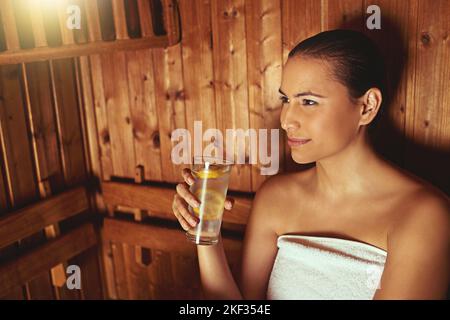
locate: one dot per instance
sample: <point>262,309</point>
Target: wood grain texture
<point>31,265</point>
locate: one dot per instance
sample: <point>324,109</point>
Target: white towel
<point>324,268</point>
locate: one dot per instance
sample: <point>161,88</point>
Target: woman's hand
<point>184,197</point>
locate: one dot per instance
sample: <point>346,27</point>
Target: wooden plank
<point>24,222</point>
<point>67,35</point>
<point>18,160</point>
<point>9,25</point>
<point>171,21</point>
<point>171,253</point>
<point>264,40</point>
<point>40,118</point>
<point>30,265</point>
<point>136,274</point>
<point>170,99</point>
<point>157,238</point>
<point>108,269</point>
<point>143,113</point>
<point>343,14</point>
<point>121,285</point>
<point>198,65</point>
<point>230,76</point>
<point>68,121</point>
<point>119,118</point>
<point>120,21</point>
<point>295,30</point>
<point>101,116</point>
<point>91,276</point>
<point>37,23</point>
<point>428,126</point>
<point>145,17</point>
<point>93,20</point>
<point>22,13</point>
<point>72,50</point>
<point>158,201</point>
<point>88,108</point>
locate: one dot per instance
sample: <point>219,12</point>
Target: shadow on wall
<point>388,136</point>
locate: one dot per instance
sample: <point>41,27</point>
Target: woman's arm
<point>258,253</point>
<point>215,274</point>
<point>418,261</point>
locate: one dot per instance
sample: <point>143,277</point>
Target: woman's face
<point>319,109</point>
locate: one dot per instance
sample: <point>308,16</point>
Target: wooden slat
<point>68,120</point>
<point>171,21</point>
<point>120,281</point>
<point>144,117</point>
<point>27,221</point>
<point>37,54</point>
<point>157,238</point>
<point>343,14</point>
<point>101,117</point>
<point>170,102</point>
<point>145,17</point>
<point>37,22</point>
<point>9,25</point>
<point>428,125</point>
<point>120,22</point>
<point>119,118</point>
<point>198,74</point>
<point>67,35</point>
<point>93,21</point>
<point>230,76</point>
<point>263,32</point>
<point>158,201</point>
<point>31,265</point>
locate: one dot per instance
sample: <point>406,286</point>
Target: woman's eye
<point>307,102</point>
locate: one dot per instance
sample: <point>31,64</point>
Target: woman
<point>355,226</point>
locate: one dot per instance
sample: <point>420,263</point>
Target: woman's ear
<point>371,102</point>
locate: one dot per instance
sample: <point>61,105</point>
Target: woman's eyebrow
<point>301,94</point>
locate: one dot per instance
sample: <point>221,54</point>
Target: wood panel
<point>198,73</point>
<point>173,270</point>
<point>144,118</point>
<point>27,267</point>
<point>158,201</point>
<point>427,114</point>
<point>170,102</point>
<point>68,121</point>
<point>230,78</point>
<point>27,221</point>
<point>264,54</point>
<point>118,113</point>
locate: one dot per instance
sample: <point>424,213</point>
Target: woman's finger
<point>229,203</point>
<point>175,208</point>
<point>185,193</point>
<point>187,176</point>
<point>179,202</point>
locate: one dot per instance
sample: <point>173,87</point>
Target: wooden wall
<point>226,72</point>
<point>42,154</point>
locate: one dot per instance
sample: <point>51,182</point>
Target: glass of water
<point>210,187</point>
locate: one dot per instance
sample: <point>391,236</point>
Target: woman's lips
<point>297,142</point>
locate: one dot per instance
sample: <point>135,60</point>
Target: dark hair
<point>354,58</point>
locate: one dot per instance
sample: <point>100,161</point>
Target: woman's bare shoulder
<point>284,184</point>
<point>424,207</point>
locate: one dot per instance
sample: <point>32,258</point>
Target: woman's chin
<point>300,159</point>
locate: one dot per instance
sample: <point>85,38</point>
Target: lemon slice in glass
<point>212,204</point>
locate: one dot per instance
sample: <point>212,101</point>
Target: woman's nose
<point>288,121</point>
